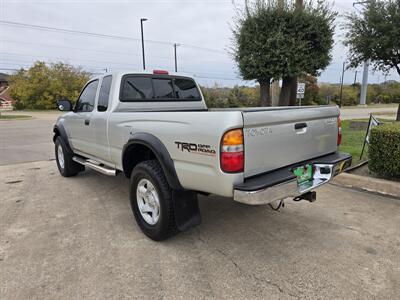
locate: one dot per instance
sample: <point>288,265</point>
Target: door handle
<point>87,122</point>
<point>300,126</point>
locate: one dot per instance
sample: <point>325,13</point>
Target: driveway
<point>27,140</point>
<point>77,238</point>
<point>384,111</point>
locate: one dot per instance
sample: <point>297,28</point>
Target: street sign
<point>373,122</point>
<point>301,89</point>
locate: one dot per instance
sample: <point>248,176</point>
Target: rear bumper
<point>282,183</point>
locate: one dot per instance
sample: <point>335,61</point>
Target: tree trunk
<point>293,84</point>
<point>265,92</point>
<point>286,91</point>
<point>398,114</point>
<point>293,92</point>
<point>275,89</point>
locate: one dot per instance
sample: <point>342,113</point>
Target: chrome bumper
<point>291,188</point>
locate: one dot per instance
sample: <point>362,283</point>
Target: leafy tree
<point>311,92</point>
<point>245,96</point>
<point>274,39</point>
<point>41,86</point>
<point>375,35</point>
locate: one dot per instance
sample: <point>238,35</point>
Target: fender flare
<point>161,153</point>
<point>59,130</point>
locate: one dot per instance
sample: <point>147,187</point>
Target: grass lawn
<point>353,140</point>
<point>13,117</point>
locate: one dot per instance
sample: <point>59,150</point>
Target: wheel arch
<point>59,131</point>
<point>145,146</point>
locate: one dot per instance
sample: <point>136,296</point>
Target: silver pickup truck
<point>155,128</point>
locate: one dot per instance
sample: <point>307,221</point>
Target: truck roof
<point>144,72</point>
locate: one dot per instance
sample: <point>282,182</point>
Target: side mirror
<point>64,105</point>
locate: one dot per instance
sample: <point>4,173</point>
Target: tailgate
<point>278,137</point>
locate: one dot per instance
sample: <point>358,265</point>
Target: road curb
<point>374,185</point>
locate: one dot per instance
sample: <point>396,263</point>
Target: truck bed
<point>275,137</point>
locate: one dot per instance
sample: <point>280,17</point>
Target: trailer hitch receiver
<point>309,196</point>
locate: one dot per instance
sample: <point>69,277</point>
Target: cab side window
<point>104,93</point>
<point>87,98</point>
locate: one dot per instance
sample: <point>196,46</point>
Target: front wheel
<point>151,201</point>
<point>65,164</point>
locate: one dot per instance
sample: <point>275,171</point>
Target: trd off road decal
<point>195,148</point>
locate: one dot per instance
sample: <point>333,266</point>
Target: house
<point>6,101</point>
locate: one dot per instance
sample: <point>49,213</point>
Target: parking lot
<point>77,238</point>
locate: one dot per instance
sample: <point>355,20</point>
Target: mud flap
<point>186,209</point>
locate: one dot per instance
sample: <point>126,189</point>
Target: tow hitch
<point>309,196</point>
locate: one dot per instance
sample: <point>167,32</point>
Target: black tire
<point>165,226</point>
<point>70,168</point>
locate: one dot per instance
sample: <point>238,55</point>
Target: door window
<point>87,98</point>
<point>104,93</point>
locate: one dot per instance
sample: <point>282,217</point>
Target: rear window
<point>137,88</point>
<point>163,89</point>
<point>156,88</point>
<point>186,89</point>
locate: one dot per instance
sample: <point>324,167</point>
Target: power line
<point>102,51</point>
<point>69,31</point>
<point>8,69</point>
<point>219,78</point>
<point>120,2</point>
<point>102,66</point>
<point>97,35</point>
<point>81,49</point>
<point>67,59</point>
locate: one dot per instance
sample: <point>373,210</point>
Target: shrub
<point>384,150</point>
<point>42,85</point>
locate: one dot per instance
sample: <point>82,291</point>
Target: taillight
<point>339,136</point>
<point>232,155</point>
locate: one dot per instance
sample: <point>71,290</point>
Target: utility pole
<point>355,78</point>
<point>341,84</point>
<point>364,87</point>
<point>141,30</point>
<point>176,61</point>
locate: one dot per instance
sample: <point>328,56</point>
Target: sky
<point>201,28</point>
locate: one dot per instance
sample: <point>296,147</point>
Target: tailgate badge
<point>254,132</point>
<point>331,121</point>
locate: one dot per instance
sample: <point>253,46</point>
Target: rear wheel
<point>65,164</point>
<point>151,201</point>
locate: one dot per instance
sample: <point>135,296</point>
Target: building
<point>6,102</point>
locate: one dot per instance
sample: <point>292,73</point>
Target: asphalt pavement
<point>363,112</point>
<point>63,238</point>
<point>76,238</point>
<point>27,140</point>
